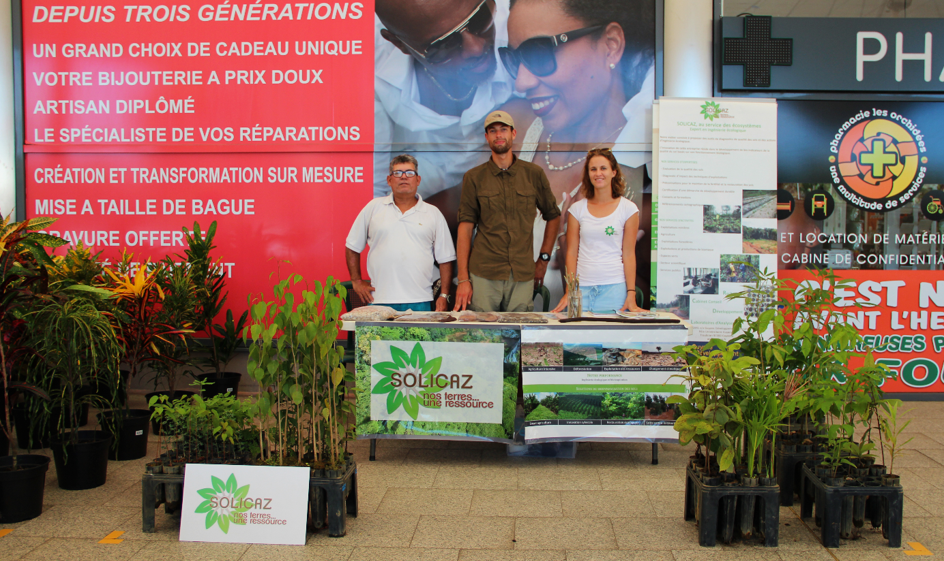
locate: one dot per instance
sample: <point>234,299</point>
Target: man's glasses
<point>449,45</point>
<point>404,173</point>
<point>537,53</point>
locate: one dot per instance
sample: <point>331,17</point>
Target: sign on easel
<point>245,504</point>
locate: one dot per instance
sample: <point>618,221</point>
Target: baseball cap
<point>499,117</point>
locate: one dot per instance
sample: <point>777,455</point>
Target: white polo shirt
<point>403,248</point>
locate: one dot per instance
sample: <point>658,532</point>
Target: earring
<point>612,66</point>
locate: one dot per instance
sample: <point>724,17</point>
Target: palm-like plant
<point>23,273</point>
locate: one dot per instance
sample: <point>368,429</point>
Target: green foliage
<point>727,221</point>
<point>891,432</point>
<point>541,413</point>
<point>623,405</point>
<point>201,430</point>
<point>293,357</point>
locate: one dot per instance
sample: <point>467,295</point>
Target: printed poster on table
<point>245,504</point>
<point>717,206</point>
<point>415,381</point>
<point>600,384</point>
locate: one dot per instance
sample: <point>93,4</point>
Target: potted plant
<point>209,278</point>
<point>138,303</point>
<point>23,273</point>
<point>75,346</point>
<point>891,436</point>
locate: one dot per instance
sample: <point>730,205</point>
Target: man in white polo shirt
<point>406,236</point>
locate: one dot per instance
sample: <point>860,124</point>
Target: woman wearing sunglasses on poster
<point>601,238</point>
<point>586,71</point>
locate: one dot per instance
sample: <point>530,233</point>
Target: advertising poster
<point>861,195</point>
<point>135,104</point>
<point>600,384</point>
<point>717,184</point>
<point>416,381</point>
<point>245,504</point>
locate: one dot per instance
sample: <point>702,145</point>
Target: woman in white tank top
<point>601,238</point>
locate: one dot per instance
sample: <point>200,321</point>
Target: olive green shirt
<point>503,204</point>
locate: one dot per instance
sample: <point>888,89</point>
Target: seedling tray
<point>788,473</point>
<point>705,502</point>
<point>828,500</point>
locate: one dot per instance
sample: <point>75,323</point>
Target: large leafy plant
<point>293,357</point>
<point>24,264</point>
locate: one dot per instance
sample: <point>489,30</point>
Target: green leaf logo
<point>610,231</point>
<point>222,503</point>
<point>412,366</point>
<point>711,110</point>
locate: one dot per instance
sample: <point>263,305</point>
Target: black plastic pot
<point>129,428</point>
<point>177,395</point>
<point>21,491</point>
<point>83,465</point>
<point>23,421</point>
<point>226,382</point>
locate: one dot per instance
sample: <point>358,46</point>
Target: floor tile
<point>466,532</point>
<point>395,476</point>
<point>402,554</point>
<point>512,555</point>
<point>77,522</point>
<point>663,534</point>
<point>186,551</point>
<point>14,546</point>
<point>515,503</point>
<point>476,477</point>
<point>309,552</point>
<point>374,530</point>
<point>605,504</point>
<point>446,502</point>
<point>564,533</point>
<point>618,555</point>
<point>558,478</point>
<point>66,549</point>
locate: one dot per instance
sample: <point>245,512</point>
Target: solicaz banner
<point>600,383</point>
<point>415,381</point>
<point>245,504</point>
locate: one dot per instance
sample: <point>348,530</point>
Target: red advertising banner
<point>227,76</point>
<point>295,207</point>
<point>900,315</point>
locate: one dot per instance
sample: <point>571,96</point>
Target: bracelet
<point>462,281</point>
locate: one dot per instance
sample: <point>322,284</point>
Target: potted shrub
<point>23,273</point>
<point>75,346</point>
<point>138,302</point>
<point>209,279</point>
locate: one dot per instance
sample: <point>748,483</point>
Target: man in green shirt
<point>500,199</point>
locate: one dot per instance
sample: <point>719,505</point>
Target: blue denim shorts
<point>603,298</point>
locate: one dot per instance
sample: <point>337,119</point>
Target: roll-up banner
<point>279,119</point>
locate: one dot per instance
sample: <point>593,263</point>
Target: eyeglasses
<point>537,53</point>
<point>404,173</point>
<point>449,45</point>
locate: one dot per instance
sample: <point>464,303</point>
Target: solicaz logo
<point>712,110</point>
<point>877,162</point>
<point>226,504</point>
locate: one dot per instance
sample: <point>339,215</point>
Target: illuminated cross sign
<point>757,51</point>
<point>878,158</point>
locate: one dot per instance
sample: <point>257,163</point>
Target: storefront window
<point>836,8</point>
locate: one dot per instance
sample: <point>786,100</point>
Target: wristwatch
<point>447,297</point>
<point>545,257</point>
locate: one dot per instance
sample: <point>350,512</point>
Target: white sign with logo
<point>245,504</point>
<point>436,381</point>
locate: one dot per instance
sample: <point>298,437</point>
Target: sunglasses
<point>537,53</point>
<point>449,45</point>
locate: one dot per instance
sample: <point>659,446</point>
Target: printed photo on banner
<point>573,76</point>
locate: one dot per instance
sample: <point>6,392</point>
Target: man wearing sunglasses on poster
<point>437,76</point>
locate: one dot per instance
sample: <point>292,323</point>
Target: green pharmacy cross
<point>757,52</point>
<point>878,158</point>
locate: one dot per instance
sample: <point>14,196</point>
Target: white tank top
<point>600,255</point>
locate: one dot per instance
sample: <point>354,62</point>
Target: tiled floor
<point>431,500</point>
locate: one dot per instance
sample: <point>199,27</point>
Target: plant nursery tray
<point>828,500</point>
<point>711,504</point>
<point>788,473</point>
<point>332,497</point>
